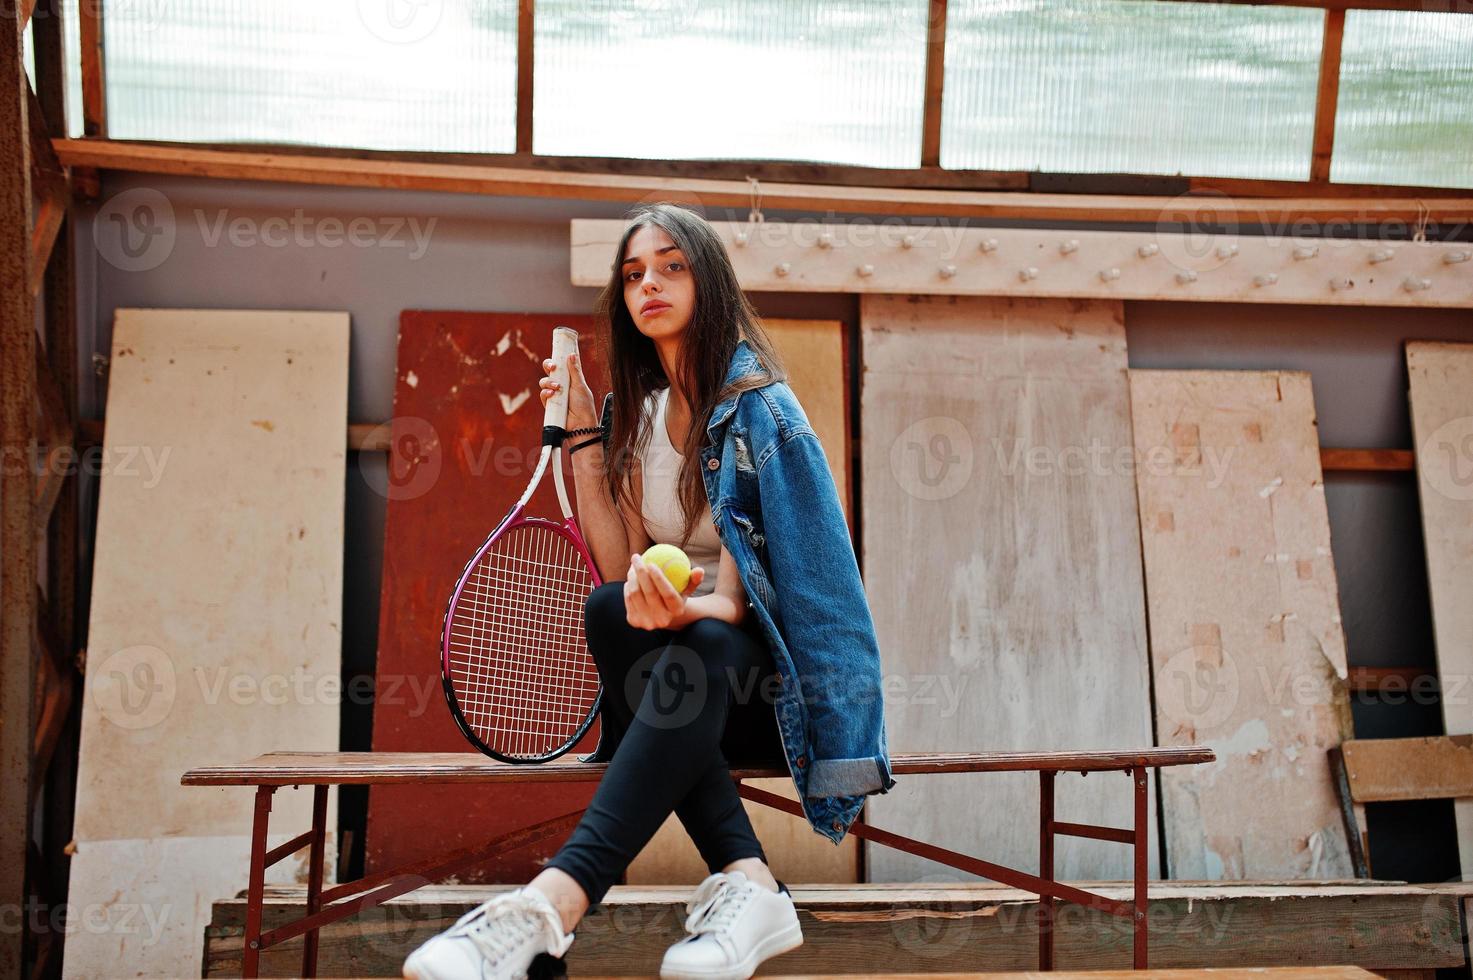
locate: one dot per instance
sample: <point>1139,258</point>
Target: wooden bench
<point>270,772</point>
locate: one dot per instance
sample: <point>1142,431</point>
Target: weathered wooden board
<point>1248,653</point>
<point>1431,767</point>
<point>1002,564</point>
<point>1441,380</point>
<point>817,360</point>
<point>465,438</point>
<point>956,929</point>
<point>952,259</point>
<point>216,599</point>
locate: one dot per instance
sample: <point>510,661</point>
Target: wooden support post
<point>1046,868</point>
<point>1141,832</point>
<point>935,83</point>
<point>17,494</point>
<point>256,887</point>
<point>1327,98</point>
<point>526,28</point>
<point>314,877</point>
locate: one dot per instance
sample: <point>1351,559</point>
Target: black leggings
<point>668,742</point>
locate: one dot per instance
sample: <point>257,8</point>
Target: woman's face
<point>658,287</point>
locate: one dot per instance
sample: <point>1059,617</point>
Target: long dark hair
<point>722,317</point>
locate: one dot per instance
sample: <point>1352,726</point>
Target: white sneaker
<point>496,940</point>
<point>735,924</point>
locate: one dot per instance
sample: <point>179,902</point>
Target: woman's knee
<point>604,607</point>
<point>731,660</point>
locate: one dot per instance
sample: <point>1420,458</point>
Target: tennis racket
<point>515,664</point>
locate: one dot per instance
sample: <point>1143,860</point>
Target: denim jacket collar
<point>743,362</point>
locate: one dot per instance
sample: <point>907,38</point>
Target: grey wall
<point>511,254</point>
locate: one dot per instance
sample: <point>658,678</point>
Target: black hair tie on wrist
<point>587,430</point>
<point>586,442</point>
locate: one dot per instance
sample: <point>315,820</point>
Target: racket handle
<point>564,343</point>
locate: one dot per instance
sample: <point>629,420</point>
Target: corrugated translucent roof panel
<point>1405,114</point>
<point>416,76</point>
<point>837,82</point>
<point>1123,86</point>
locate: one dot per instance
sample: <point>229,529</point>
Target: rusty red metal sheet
<point>466,435</point>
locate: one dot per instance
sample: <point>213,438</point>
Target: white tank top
<point>660,506</point>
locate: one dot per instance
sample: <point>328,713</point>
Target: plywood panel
<point>1441,378</point>
<point>465,438</point>
<point>1002,564</point>
<point>1247,648</point>
<point>216,598</point>
<point>815,354</point>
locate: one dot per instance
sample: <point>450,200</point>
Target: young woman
<point>695,680</point>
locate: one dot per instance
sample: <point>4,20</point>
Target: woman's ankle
<point>565,894</point>
<point>756,870</point>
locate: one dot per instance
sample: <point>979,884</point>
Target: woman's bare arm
<point>612,534</point>
<point>727,602</point>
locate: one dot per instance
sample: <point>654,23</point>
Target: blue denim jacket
<point>777,510</point>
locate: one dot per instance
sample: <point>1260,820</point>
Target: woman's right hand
<point>581,412</point>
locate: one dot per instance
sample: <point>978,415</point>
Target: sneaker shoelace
<point>715,908</point>
<point>503,924</point>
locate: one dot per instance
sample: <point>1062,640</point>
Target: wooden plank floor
<point>951,928</point>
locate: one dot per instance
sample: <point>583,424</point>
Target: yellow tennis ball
<point>672,561</point>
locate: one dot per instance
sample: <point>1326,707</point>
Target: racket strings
<point>519,662</point>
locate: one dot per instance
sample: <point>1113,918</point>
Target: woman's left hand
<point>650,601</point>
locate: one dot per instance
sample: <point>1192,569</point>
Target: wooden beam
<point>57,680</point>
<point>1367,460</point>
<point>935,83</point>
<point>94,87</point>
<point>849,175</point>
<point>51,70</point>
<point>1328,96</point>
<point>1432,768</point>
<point>859,256</point>
<point>1391,680</point>
<point>17,525</point>
<point>526,35</point>
<point>184,159</point>
<point>43,238</point>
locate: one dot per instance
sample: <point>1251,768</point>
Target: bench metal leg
<point>314,877</point>
<point>1046,868</point>
<point>251,947</point>
<point>1138,776</point>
